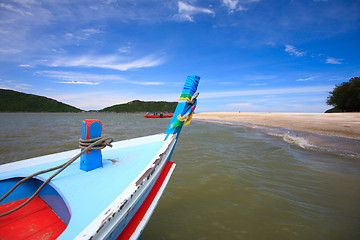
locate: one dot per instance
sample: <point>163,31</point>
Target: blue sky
<point>251,55</point>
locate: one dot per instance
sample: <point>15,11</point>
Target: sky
<point>251,55</point>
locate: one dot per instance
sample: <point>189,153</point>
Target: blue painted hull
<point>100,201</point>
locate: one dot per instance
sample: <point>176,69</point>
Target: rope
<point>193,98</point>
<point>87,142</point>
<point>100,142</point>
<point>187,113</point>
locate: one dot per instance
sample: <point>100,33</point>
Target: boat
<point>97,191</point>
<point>156,115</point>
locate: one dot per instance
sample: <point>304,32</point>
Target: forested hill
<point>13,101</point>
<point>140,106</point>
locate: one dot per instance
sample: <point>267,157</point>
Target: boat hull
<point>138,222</point>
<point>159,116</point>
<point>113,199</point>
<point>112,220</point>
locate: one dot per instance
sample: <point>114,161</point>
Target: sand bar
<point>333,124</point>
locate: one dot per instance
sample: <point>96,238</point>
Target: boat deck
<point>28,222</point>
<point>98,188</point>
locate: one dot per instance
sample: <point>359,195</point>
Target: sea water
<point>230,182</point>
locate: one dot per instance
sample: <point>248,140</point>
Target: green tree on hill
<point>140,106</point>
<point>13,101</point>
<point>346,96</point>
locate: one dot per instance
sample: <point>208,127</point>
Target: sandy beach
<point>334,124</point>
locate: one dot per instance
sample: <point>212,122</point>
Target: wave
<point>317,142</point>
<point>294,139</point>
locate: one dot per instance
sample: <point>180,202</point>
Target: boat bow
<point>115,198</point>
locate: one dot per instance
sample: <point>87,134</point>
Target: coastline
<point>346,125</point>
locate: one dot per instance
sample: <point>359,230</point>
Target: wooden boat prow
<point>113,201</point>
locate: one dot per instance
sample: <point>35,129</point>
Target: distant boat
<point>156,115</point>
<point>102,194</point>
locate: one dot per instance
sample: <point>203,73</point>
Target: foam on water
<point>294,139</point>
<point>317,142</point>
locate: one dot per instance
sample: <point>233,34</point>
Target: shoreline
<point>346,125</point>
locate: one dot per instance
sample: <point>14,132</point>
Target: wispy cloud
<point>330,60</point>
<point>187,11</point>
<point>22,86</point>
<point>80,82</point>
<point>24,65</point>
<point>10,51</point>
<point>90,79</point>
<point>110,62</point>
<point>125,49</point>
<point>240,104</point>
<point>293,51</point>
<point>82,34</point>
<point>257,84</point>
<point>12,8</point>
<point>304,79</point>
<point>10,84</point>
<point>233,5</point>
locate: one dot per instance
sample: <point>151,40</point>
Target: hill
<point>13,101</point>
<point>141,106</point>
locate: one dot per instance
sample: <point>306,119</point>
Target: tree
<point>346,96</point>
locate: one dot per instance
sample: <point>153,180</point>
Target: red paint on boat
<point>36,220</point>
<point>159,116</point>
<point>139,215</point>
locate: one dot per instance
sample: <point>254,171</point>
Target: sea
<point>232,181</point>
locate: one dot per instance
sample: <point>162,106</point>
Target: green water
<point>231,182</point>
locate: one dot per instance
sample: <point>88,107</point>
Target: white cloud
<point>147,83</point>
<point>110,62</point>
<point>24,65</point>
<point>125,49</point>
<point>80,82</point>
<point>22,86</point>
<point>334,60</point>
<point>90,79</point>
<point>304,79</point>
<point>233,5</point>
<point>10,84</point>
<point>257,84</point>
<point>82,34</point>
<point>293,51</point>
<point>10,51</point>
<point>240,104</point>
<point>12,8</point>
<point>186,11</point>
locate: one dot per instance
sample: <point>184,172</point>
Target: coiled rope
<point>85,145</point>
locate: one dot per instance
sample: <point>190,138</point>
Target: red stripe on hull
<point>36,220</point>
<point>139,215</point>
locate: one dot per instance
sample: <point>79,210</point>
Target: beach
<point>333,124</point>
